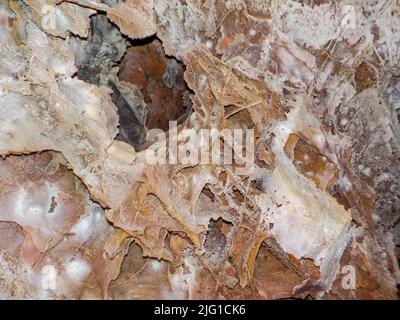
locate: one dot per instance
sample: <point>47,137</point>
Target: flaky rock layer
<point>309,208</point>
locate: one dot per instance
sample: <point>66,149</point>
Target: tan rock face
<point>300,100</point>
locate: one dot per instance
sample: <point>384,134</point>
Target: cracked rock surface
<point>85,215</point>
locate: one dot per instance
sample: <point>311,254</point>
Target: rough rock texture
<point>85,214</point>
<point>160,80</point>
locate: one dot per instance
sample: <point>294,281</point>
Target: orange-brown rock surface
<point>308,209</point>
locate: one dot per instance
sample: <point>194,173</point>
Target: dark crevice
<point>160,80</point>
<point>147,86</point>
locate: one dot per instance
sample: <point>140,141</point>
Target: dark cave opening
<point>147,86</point>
